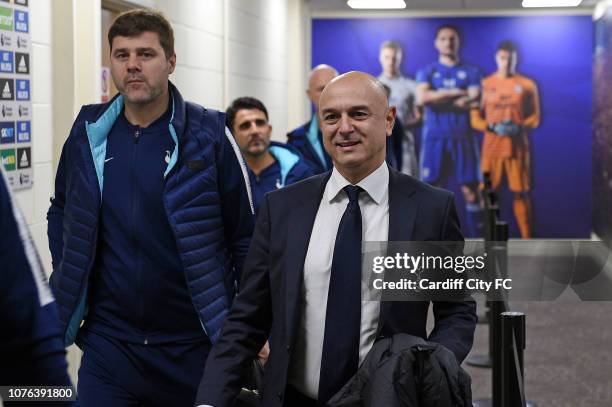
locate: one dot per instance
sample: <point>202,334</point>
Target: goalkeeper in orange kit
<point>510,107</point>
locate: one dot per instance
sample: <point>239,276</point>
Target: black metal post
<point>512,348</point>
<point>498,306</point>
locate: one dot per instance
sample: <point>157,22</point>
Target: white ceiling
<point>437,5</point>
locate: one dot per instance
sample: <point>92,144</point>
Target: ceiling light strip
<point>376,4</point>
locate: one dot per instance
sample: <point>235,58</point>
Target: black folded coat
<point>407,371</point>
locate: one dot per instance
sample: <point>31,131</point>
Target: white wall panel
<point>255,63</point>
<point>197,48</point>
<point>25,201</point>
<point>41,73</point>
<point>40,21</point>
<point>206,15</point>
<point>44,177</point>
<point>200,86</point>
<point>42,131</point>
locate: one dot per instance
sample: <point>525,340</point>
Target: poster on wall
<point>15,94</point>
<point>507,95</point>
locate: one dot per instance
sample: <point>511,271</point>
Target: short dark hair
<point>507,46</point>
<point>448,27</point>
<point>135,22</point>
<point>243,103</point>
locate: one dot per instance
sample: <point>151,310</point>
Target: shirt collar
<point>375,184</point>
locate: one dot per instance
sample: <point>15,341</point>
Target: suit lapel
<point>300,224</point>
<point>403,209</point>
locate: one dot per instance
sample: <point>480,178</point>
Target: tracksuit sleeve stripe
<point>243,168</point>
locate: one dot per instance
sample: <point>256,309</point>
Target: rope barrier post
<point>512,349</point>
<point>493,230</point>
<point>499,254</point>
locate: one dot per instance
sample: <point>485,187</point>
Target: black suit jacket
<point>268,304</point>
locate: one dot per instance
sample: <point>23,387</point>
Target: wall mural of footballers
<point>472,111</point>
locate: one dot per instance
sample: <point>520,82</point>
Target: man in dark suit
<point>302,284</point>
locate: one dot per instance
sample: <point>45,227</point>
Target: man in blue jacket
<point>148,228</point>
<point>271,164</point>
<point>307,138</point>
<point>31,348</point>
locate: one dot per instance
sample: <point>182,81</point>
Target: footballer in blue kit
<point>447,89</point>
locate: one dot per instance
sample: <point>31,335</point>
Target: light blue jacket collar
<point>286,159</point>
<point>97,133</point>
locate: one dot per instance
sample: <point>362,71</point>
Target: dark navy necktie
<point>340,357</point>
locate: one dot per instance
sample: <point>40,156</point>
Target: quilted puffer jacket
<point>206,198</point>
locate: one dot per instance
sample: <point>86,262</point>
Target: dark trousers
<point>117,373</point>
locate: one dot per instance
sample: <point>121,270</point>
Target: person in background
<point>403,97</point>
<point>307,139</point>
<point>395,140</point>
<point>448,89</point>
<point>510,108</point>
<point>271,164</point>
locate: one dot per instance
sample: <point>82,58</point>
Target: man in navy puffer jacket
<point>148,228</point>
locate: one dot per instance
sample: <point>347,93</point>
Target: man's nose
<point>133,64</point>
<point>253,130</point>
<point>346,125</point>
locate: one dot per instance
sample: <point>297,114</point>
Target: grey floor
<point>568,360</point>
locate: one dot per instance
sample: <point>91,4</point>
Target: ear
<point>172,62</point>
<point>391,113</point>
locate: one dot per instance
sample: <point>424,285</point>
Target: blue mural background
<point>555,51</point>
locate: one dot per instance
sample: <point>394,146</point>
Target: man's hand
<point>264,353</point>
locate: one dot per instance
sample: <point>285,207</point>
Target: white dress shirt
<point>374,204</point>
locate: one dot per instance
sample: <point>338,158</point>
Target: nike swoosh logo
<point>108,159</point>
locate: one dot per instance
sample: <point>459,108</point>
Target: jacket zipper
<point>135,246</point>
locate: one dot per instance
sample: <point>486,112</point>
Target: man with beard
<point>271,164</point>
<point>148,228</point>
